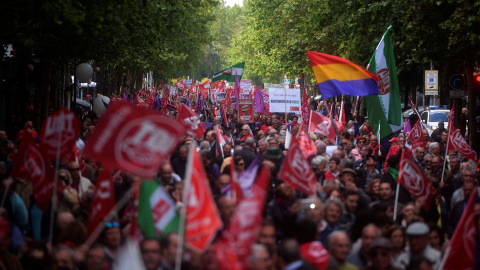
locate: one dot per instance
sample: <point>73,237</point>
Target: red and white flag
<point>266,103</point>
<point>202,219</point>
<point>340,125</point>
<point>456,140</point>
<point>103,200</point>
<point>141,102</point>
<point>113,98</point>
<point>342,114</point>
<point>164,103</point>
<point>133,139</point>
<point>307,146</point>
<point>31,165</point>
<point>233,249</point>
<point>415,181</point>
<point>60,130</point>
<point>150,99</point>
<point>296,171</point>
<point>191,122</point>
<point>314,253</point>
<point>323,125</point>
<point>416,136</point>
<point>460,253</point>
<point>220,142</point>
<point>305,110</point>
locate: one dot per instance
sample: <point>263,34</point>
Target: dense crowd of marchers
<point>347,202</point>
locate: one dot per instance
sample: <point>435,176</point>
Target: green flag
<point>156,210</point>
<point>384,109</point>
<point>229,73</point>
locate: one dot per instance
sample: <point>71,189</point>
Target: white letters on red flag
<point>202,219</point>
<point>416,136</point>
<point>305,110</point>
<point>456,140</point>
<point>307,146</point>
<point>340,126</point>
<point>61,125</point>
<point>31,165</point>
<point>296,171</point>
<point>113,98</point>
<point>150,99</point>
<point>233,248</point>
<point>314,253</point>
<point>461,249</point>
<point>103,200</point>
<point>322,125</point>
<point>191,122</point>
<point>134,139</point>
<point>164,103</point>
<point>415,181</point>
<point>266,103</point>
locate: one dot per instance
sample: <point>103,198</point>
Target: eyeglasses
<point>383,253</point>
<point>245,129</point>
<point>74,169</point>
<point>112,225</point>
<point>241,164</point>
<point>360,142</point>
<point>428,161</point>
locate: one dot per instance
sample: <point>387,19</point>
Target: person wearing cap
<point>417,234</point>
<point>347,179</point>
<point>395,149</point>
<point>380,254</point>
<point>393,141</point>
<point>275,155</point>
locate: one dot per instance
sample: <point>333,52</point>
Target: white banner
<point>245,87</point>
<point>277,100</point>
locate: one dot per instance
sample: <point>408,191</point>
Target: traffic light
<point>476,75</point>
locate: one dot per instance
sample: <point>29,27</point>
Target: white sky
<point>233,2</point>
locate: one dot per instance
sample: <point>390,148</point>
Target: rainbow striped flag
<point>337,76</point>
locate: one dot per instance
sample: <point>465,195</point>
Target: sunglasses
<point>112,225</point>
<point>245,129</point>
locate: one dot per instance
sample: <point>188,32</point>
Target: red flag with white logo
<point>314,253</point>
<point>415,181</point>
<point>266,103</point>
<point>340,126</point>
<point>307,145</point>
<point>164,103</point>
<point>416,136</point>
<point>113,98</point>
<point>103,200</point>
<point>296,171</point>
<point>133,139</point>
<point>59,132</point>
<point>461,249</point>
<point>31,165</point>
<point>322,125</point>
<point>141,102</point>
<point>150,99</point>
<point>233,249</point>
<point>305,110</point>
<point>202,219</point>
<point>456,140</point>
<point>191,122</point>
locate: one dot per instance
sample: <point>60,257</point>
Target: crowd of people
<point>348,224</point>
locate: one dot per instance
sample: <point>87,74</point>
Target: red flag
<point>234,246</point>
<point>164,103</point>
<point>416,136</point>
<point>415,181</point>
<point>220,142</point>
<point>307,145</point>
<point>236,190</point>
<point>103,200</point>
<point>315,253</point>
<point>305,109</point>
<point>113,98</point>
<point>150,99</point>
<point>202,219</point>
<point>266,104</point>
<point>322,125</point>
<point>31,165</point>
<point>230,93</point>
<point>342,114</point>
<point>296,171</point>
<point>134,139</point>
<point>461,249</point>
<point>141,102</point>
<point>340,125</point>
<point>62,124</point>
<point>456,140</point>
<point>191,122</point>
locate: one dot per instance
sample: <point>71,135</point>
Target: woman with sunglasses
<point>239,165</point>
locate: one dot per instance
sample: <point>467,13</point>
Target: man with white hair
<point>338,245</point>
<point>434,149</point>
<point>259,258</point>
<point>319,167</point>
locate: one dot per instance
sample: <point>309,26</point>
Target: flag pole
<point>396,202</point>
<point>446,148</point>
<point>285,96</point>
<point>309,121</point>
<point>181,228</point>
<point>61,127</point>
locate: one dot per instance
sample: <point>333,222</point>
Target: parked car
<point>431,118</point>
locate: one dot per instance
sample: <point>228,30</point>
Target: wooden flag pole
<point>395,207</point>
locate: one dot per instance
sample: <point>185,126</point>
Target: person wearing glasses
<point>355,153</point>
<point>81,184</point>
<point>111,239</point>
<point>380,254</point>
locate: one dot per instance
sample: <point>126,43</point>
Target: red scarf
<point>375,148</point>
<point>244,137</point>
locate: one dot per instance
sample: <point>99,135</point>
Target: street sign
<point>286,81</point>
<point>431,82</point>
<point>457,93</point>
<point>297,86</point>
<point>457,81</point>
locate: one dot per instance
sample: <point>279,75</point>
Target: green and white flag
<point>156,210</point>
<point>229,73</point>
<point>384,109</point>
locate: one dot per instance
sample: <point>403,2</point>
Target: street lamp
<point>83,74</point>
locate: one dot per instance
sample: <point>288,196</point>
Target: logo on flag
<point>322,125</point>
<point>191,122</point>
<point>61,125</point>
<point>383,76</point>
<point>415,181</point>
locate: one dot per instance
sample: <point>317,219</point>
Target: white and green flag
<point>229,73</point>
<point>156,210</point>
<point>384,109</point>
